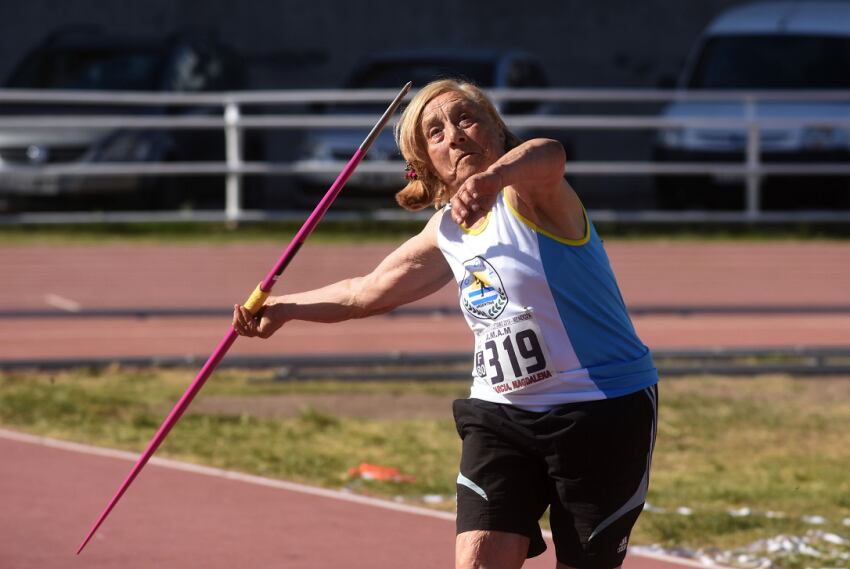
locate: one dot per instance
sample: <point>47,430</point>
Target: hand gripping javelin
<point>253,304</point>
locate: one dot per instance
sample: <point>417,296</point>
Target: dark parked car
<point>91,59</point>
<point>391,70</point>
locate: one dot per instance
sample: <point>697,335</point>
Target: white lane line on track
<point>221,473</point>
<point>271,483</point>
<point>62,303</point>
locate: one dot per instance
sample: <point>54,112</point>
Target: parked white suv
<point>788,45</point>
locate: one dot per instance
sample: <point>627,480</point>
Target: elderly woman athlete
<point>562,407</point>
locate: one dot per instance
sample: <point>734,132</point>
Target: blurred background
<point>709,106</point>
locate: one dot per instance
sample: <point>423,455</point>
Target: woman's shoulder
<point>558,211</point>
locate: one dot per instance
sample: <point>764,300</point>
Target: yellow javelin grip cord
<point>256,300</point>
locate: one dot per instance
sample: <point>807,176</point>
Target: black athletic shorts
<point>588,461</point>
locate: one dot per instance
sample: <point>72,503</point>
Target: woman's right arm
<point>413,271</point>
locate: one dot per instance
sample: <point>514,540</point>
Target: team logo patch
<point>481,291</point>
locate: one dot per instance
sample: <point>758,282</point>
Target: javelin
<point>253,304</point>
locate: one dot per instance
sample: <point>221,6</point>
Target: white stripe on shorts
<point>464,481</point>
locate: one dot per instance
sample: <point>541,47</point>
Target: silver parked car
<point>90,59</point>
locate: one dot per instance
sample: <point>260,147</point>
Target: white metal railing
<point>229,117</point>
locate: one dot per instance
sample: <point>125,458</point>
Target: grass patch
<point>124,409</point>
<point>770,444</point>
<point>775,446</point>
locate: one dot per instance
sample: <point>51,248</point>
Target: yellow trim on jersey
<point>480,228</point>
<point>564,240</point>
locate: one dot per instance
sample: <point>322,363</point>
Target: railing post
<point>753,158</point>
<point>233,149</point>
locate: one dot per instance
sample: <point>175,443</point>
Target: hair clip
<point>410,172</point>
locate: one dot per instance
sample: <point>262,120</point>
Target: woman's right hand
<point>266,322</point>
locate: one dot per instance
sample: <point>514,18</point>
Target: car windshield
<point>773,62</point>
<point>133,70</point>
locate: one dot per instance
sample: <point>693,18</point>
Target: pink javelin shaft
<point>264,288</point>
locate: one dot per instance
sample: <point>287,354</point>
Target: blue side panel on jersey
<point>595,317</point>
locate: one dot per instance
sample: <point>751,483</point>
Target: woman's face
<point>462,138</point>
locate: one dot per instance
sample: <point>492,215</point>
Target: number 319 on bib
<point>522,352</point>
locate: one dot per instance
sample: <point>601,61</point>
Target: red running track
<point>183,516</point>
<point>650,273</point>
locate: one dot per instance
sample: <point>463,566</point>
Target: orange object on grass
<point>381,473</point>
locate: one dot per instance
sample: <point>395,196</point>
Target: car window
<point>773,62</point>
<point>187,71</point>
<point>89,69</point>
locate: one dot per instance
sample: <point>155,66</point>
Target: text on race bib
<point>511,355</point>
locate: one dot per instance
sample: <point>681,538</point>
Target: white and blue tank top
<point>549,321</point>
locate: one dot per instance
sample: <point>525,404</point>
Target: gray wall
<point>303,43</point>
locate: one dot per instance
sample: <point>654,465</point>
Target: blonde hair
<point>427,189</point>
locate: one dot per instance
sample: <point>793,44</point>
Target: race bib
<point>510,355</point>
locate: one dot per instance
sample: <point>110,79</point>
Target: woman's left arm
<point>532,176</point>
